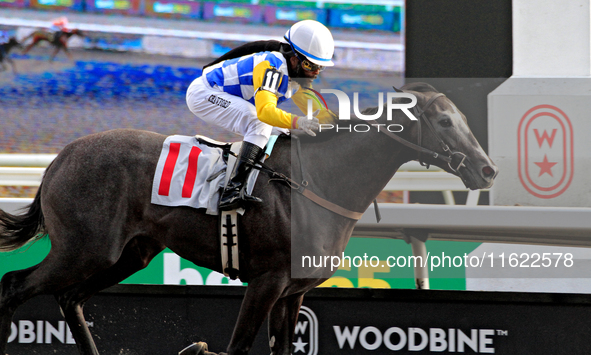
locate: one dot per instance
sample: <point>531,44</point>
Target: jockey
<point>60,24</point>
<point>241,90</point>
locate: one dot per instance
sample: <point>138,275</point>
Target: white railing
<point>28,169</point>
<point>26,160</point>
<point>416,223</point>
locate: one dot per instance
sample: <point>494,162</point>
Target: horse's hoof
<point>199,348</point>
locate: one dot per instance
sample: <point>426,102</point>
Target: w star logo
<point>306,333</point>
<point>545,151</point>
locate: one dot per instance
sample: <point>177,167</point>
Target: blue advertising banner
<point>173,8</point>
<point>124,7</point>
<point>57,4</point>
<point>275,15</point>
<point>359,19</point>
<point>234,12</point>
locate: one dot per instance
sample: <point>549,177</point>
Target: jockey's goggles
<point>306,64</point>
<point>309,66</point>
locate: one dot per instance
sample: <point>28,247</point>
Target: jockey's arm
<point>266,101</point>
<point>301,97</point>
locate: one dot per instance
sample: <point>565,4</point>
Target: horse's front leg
<point>64,46</point>
<point>68,54</point>
<point>260,297</point>
<point>55,52</point>
<point>282,322</point>
<point>12,64</point>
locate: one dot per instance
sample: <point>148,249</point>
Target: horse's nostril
<point>488,171</point>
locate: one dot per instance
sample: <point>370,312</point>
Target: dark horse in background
<point>58,40</point>
<point>94,205</point>
<point>5,49</point>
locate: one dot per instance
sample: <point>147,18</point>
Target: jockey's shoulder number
<point>271,80</point>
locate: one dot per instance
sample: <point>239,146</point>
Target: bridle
<point>302,187</point>
<point>419,113</point>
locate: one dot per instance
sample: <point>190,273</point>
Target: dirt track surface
<point>47,105</point>
<point>41,114</point>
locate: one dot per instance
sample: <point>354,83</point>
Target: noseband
<point>421,117</point>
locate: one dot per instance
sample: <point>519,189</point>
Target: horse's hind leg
<point>282,322</point>
<point>61,268</point>
<point>11,296</point>
<point>54,54</point>
<point>136,255</point>
<point>53,273</point>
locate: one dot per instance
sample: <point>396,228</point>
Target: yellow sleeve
<point>266,101</point>
<point>301,97</point>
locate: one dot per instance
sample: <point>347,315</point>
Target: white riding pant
<point>227,111</point>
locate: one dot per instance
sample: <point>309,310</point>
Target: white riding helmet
<point>313,40</point>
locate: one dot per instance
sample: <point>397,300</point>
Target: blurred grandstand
<point>368,34</point>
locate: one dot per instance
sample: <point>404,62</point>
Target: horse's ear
<point>396,89</point>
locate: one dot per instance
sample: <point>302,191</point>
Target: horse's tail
<point>16,231</point>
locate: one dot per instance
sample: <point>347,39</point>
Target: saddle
<point>212,142</point>
<point>191,171</point>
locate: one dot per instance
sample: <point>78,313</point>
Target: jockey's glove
<point>307,125</point>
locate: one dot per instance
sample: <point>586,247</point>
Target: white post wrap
<point>539,119</point>
<point>551,38</point>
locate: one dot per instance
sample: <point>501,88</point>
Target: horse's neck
<point>351,169</point>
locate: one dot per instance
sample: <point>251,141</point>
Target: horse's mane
<point>419,87</point>
<point>328,134</point>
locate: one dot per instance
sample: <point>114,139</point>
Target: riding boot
<point>235,195</point>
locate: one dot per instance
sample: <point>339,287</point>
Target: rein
<point>420,114</point>
<point>301,188</point>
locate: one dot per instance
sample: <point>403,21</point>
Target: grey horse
<point>94,205</point>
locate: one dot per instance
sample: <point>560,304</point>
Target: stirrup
<point>249,198</point>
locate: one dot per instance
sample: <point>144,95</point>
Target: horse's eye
<point>445,122</point>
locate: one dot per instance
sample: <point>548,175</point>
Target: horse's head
<point>77,32</point>
<point>444,126</point>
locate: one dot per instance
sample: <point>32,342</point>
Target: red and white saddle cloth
<point>191,174</point>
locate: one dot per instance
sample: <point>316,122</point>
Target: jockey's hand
<point>308,125</point>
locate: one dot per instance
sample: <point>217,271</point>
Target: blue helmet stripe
<point>294,46</point>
